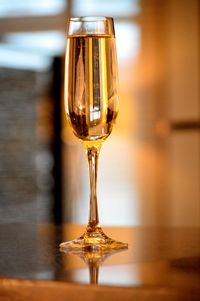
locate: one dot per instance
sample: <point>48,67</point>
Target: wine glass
<point>91,101</point>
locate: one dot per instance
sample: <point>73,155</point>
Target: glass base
<point>92,240</point>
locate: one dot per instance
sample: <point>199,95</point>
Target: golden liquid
<point>91,82</point>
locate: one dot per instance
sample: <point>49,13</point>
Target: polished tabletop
<point>160,264</point>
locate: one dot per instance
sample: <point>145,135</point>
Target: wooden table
<point>160,264</point>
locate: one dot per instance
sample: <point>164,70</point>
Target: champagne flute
<point>91,101</point>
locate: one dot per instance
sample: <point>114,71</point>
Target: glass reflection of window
<point>96,88</point>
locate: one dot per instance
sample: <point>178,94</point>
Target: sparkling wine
<point>91,86</point>
<point>91,105</point>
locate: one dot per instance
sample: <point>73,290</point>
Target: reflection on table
<point>158,260</point>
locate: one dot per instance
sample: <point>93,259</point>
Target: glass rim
<point>90,19</point>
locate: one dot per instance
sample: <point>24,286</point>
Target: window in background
<point>114,8</point>
<point>15,8</point>
<point>31,49</point>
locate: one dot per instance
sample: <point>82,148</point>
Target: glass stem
<point>92,155</point>
<point>94,273</point>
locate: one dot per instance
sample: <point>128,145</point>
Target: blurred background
<point>149,168</point>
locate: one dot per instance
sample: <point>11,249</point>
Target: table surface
<point>160,264</point>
